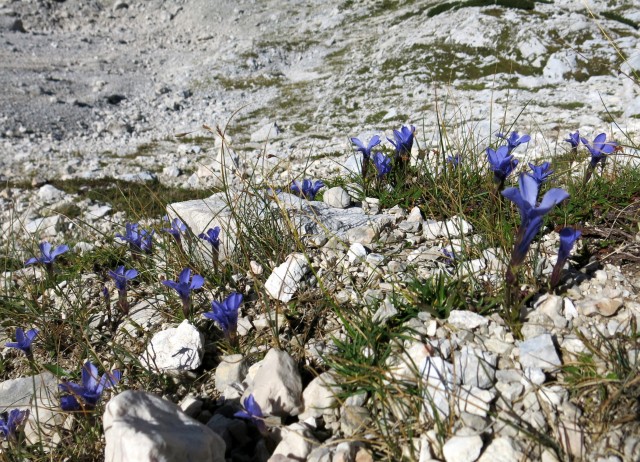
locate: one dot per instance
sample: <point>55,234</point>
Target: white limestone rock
<point>337,197</point>
<point>175,350</point>
<point>283,283</point>
<point>276,385</point>
<point>49,193</point>
<point>463,448</point>
<point>466,319</point>
<point>232,369</point>
<point>140,426</point>
<point>501,449</point>
<point>320,396</point>
<point>296,444</point>
<point>478,368</point>
<point>539,352</point>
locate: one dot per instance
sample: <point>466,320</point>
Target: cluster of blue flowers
<point>402,143</point>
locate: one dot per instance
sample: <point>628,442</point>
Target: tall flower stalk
<point>568,237</point>
<point>531,215</point>
<point>366,152</point>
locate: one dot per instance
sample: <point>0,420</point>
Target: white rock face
<point>320,396</point>
<point>297,443</point>
<point>466,319</point>
<point>232,369</point>
<point>501,449</point>
<point>462,448</point>
<point>309,218</point>
<point>49,193</point>
<point>142,427</point>
<point>277,386</point>
<point>267,132</point>
<point>175,350</point>
<point>478,368</point>
<point>539,352</point>
<point>38,395</point>
<point>283,283</point>
<point>337,197</point>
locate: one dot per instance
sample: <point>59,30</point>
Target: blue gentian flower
<point>10,421</point>
<point>501,162</point>
<point>306,188</point>
<point>403,142</point>
<point>568,237</point>
<point>253,413</point>
<point>139,240</point>
<point>212,236</point>
<point>23,340</point>
<point>531,213</point>
<point>120,277</point>
<point>184,286</point>
<point>540,173</point>
<point>48,255</point>
<point>574,140</point>
<point>366,150</point>
<point>599,149</point>
<point>85,396</point>
<point>176,230</point>
<point>382,163</point>
<point>226,314</point>
<point>454,160</point>
<point>514,140</point>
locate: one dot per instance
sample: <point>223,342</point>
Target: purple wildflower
<point>306,188</point>
<point>253,413</point>
<point>514,140</point>
<point>48,255</point>
<point>382,163</point>
<point>184,286</point>
<point>502,163</point>
<point>531,213</point>
<point>540,173</point>
<point>176,230</point>
<point>599,149</point>
<point>403,142</point>
<point>10,421</point>
<point>568,237</point>
<point>23,341</point>
<point>226,314</point>
<point>574,140</point>
<point>85,396</point>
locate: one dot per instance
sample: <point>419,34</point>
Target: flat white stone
<point>462,448</point>
<point>501,449</point>
<point>140,426</point>
<point>175,350</point>
<point>320,396</point>
<point>539,352</point>
<point>466,319</point>
<point>284,281</point>
<point>276,385</point>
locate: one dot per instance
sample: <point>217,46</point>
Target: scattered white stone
<point>466,319</point>
<point>462,448</point>
<point>232,369</point>
<point>320,396</point>
<point>501,449</point>
<point>283,283</point>
<point>357,252</point>
<point>175,350</point>
<point>276,386</point>
<point>140,426</point>
<point>478,368</point>
<point>296,444</point>
<point>474,400</point>
<point>539,352</point>
<point>49,193</point>
<point>265,133</point>
<point>337,197</point>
